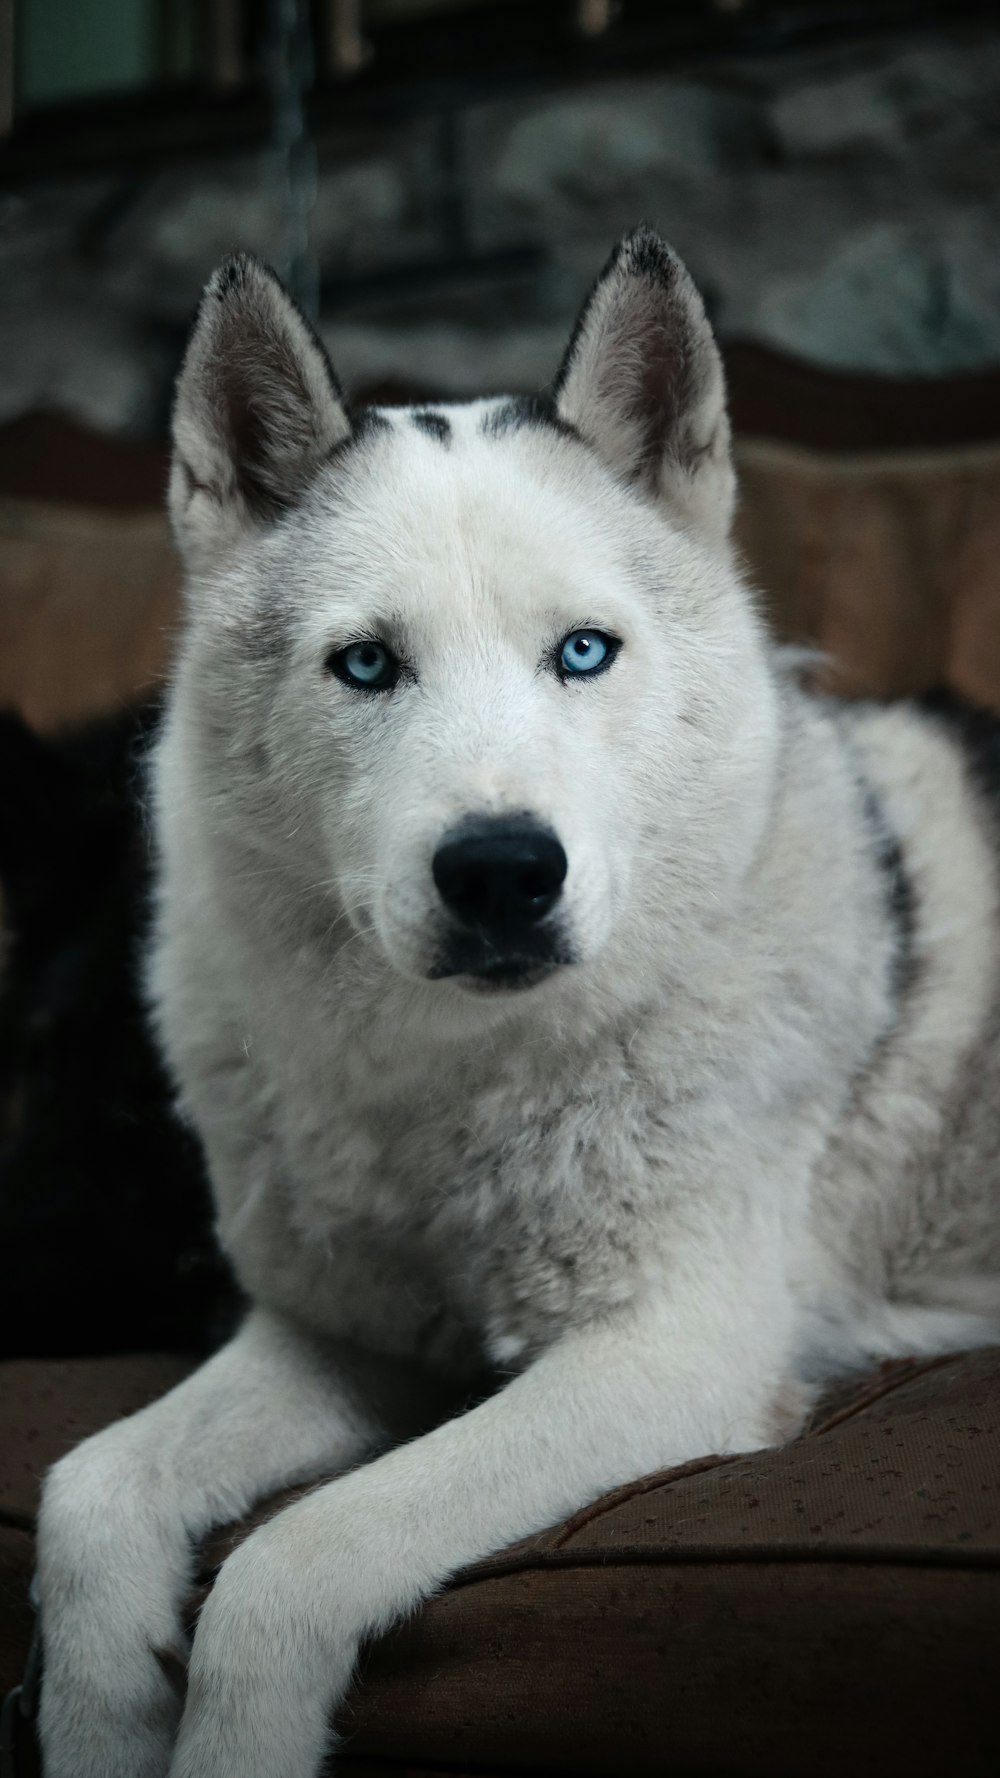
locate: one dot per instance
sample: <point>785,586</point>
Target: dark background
<point>440,179</point>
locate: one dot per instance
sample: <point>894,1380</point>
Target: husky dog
<point>557,989</point>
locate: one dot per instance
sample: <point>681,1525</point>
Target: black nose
<point>500,873</point>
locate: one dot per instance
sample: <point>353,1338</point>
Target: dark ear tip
<point>645,254</point>
<point>237,274</point>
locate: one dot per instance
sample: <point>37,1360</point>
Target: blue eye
<point>586,651</point>
<point>366,666</point>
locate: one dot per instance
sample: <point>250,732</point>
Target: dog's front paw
<point>92,1728</point>
<point>110,1698</point>
<point>270,1661</point>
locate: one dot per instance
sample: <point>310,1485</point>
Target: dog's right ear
<point>642,382</point>
<point>258,410</point>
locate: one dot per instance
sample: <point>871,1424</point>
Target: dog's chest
<point>501,1210</point>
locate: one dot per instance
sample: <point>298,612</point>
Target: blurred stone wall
<point>843,206</point>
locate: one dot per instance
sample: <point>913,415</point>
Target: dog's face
<point>485,672</point>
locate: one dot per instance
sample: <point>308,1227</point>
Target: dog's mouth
<point>507,977</point>
<point>479,963</point>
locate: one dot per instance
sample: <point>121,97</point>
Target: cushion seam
<point>731,1555</point>
<point>907,1373</point>
<point>642,1485</point>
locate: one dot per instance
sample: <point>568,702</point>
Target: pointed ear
<point>642,381</point>
<point>257,410</point>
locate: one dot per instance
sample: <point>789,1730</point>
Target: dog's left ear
<point>258,410</point>
<point>642,382</point>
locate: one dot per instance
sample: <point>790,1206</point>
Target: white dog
<point>555,987</point>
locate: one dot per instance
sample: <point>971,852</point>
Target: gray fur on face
<point>748,1134</point>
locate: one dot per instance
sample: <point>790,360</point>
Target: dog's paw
<point>270,1662</point>
<point>90,1729</point>
<point>106,1586</point>
<point>110,1699</point>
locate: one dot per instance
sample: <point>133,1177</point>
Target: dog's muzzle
<point>500,878</point>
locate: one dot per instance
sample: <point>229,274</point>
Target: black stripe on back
<point>900,899</point>
<point>899,893</point>
<point>976,731</point>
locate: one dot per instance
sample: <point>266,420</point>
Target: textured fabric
<point>47,1407</point>
<point>88,602</point>
<point>840,1593</point>
<point>730,1668</point>
<point>888,564</point>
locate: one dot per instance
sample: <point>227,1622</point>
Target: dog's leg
<point>277,1640</point>
<point>122,1515</point>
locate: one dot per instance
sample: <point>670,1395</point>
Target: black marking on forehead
<point>366,423</point>
<point>435,425</point>
<point>522,411</point>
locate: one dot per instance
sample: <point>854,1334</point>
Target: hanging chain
<point>289,71</point>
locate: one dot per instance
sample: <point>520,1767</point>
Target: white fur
<point>722,1149</point>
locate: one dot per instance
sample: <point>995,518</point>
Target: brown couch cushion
<point>890,564</point>
<point>830,1606</point>
<point>88,604</point>
<point>47,1406</point>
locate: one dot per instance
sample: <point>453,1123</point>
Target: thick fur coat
<point>592,1036</point>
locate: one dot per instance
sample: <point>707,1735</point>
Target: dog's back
<point>909,1189</point>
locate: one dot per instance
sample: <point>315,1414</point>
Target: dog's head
<point>484,676</point>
